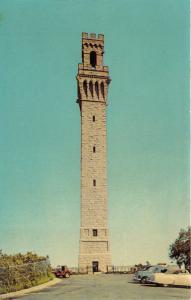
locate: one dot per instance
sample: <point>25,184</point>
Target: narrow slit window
<point>94,182</point>
<point>94,149</point>
<point>94,232</point>
<point>93,118</point>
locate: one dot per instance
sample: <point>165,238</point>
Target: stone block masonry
<point>93,80</point>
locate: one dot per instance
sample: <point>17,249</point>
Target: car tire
<point>144,280</point>
<point>67,275</point>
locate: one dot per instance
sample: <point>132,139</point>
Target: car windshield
<point>151,269</point>
<point>155,269</point>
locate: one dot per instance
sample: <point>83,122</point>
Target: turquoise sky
<point>147,51</point>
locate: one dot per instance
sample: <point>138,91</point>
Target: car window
<point>156,270</point>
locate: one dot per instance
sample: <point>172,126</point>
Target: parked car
<point>143,275</point>
<point>62,272</point>
<point>171,278</point>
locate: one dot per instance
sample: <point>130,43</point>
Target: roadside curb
<point>30,290</point>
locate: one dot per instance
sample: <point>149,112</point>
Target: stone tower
<point>93,80</point>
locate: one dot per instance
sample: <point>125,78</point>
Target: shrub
<point>22,271</point>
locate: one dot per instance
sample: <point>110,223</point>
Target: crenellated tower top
<point>92,50</point>
<point>93,77</point>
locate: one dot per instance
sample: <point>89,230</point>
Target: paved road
<point>107,287</point>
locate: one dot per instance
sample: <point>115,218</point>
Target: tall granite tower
<point>93,80</point>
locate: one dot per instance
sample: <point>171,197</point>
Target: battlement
<point>92,53</point>
<point>92,36</point>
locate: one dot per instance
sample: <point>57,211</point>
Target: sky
<point>147,51</point>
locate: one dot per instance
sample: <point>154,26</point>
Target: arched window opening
<point>102,90</point>
<point>97,89</point>
<point>93,59</point>
<point>85,88</point>
<point>91,88</point>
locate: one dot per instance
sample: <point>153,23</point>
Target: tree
<point>180,249</point>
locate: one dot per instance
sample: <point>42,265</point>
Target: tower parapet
<point>85,35</point>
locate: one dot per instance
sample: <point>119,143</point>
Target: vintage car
<point>62,272</point>
<point>141,276</point>
<point>171,278</point>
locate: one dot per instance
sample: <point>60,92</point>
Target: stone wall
<point>92,98</point>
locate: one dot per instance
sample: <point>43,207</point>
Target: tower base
<point>95,262</point>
